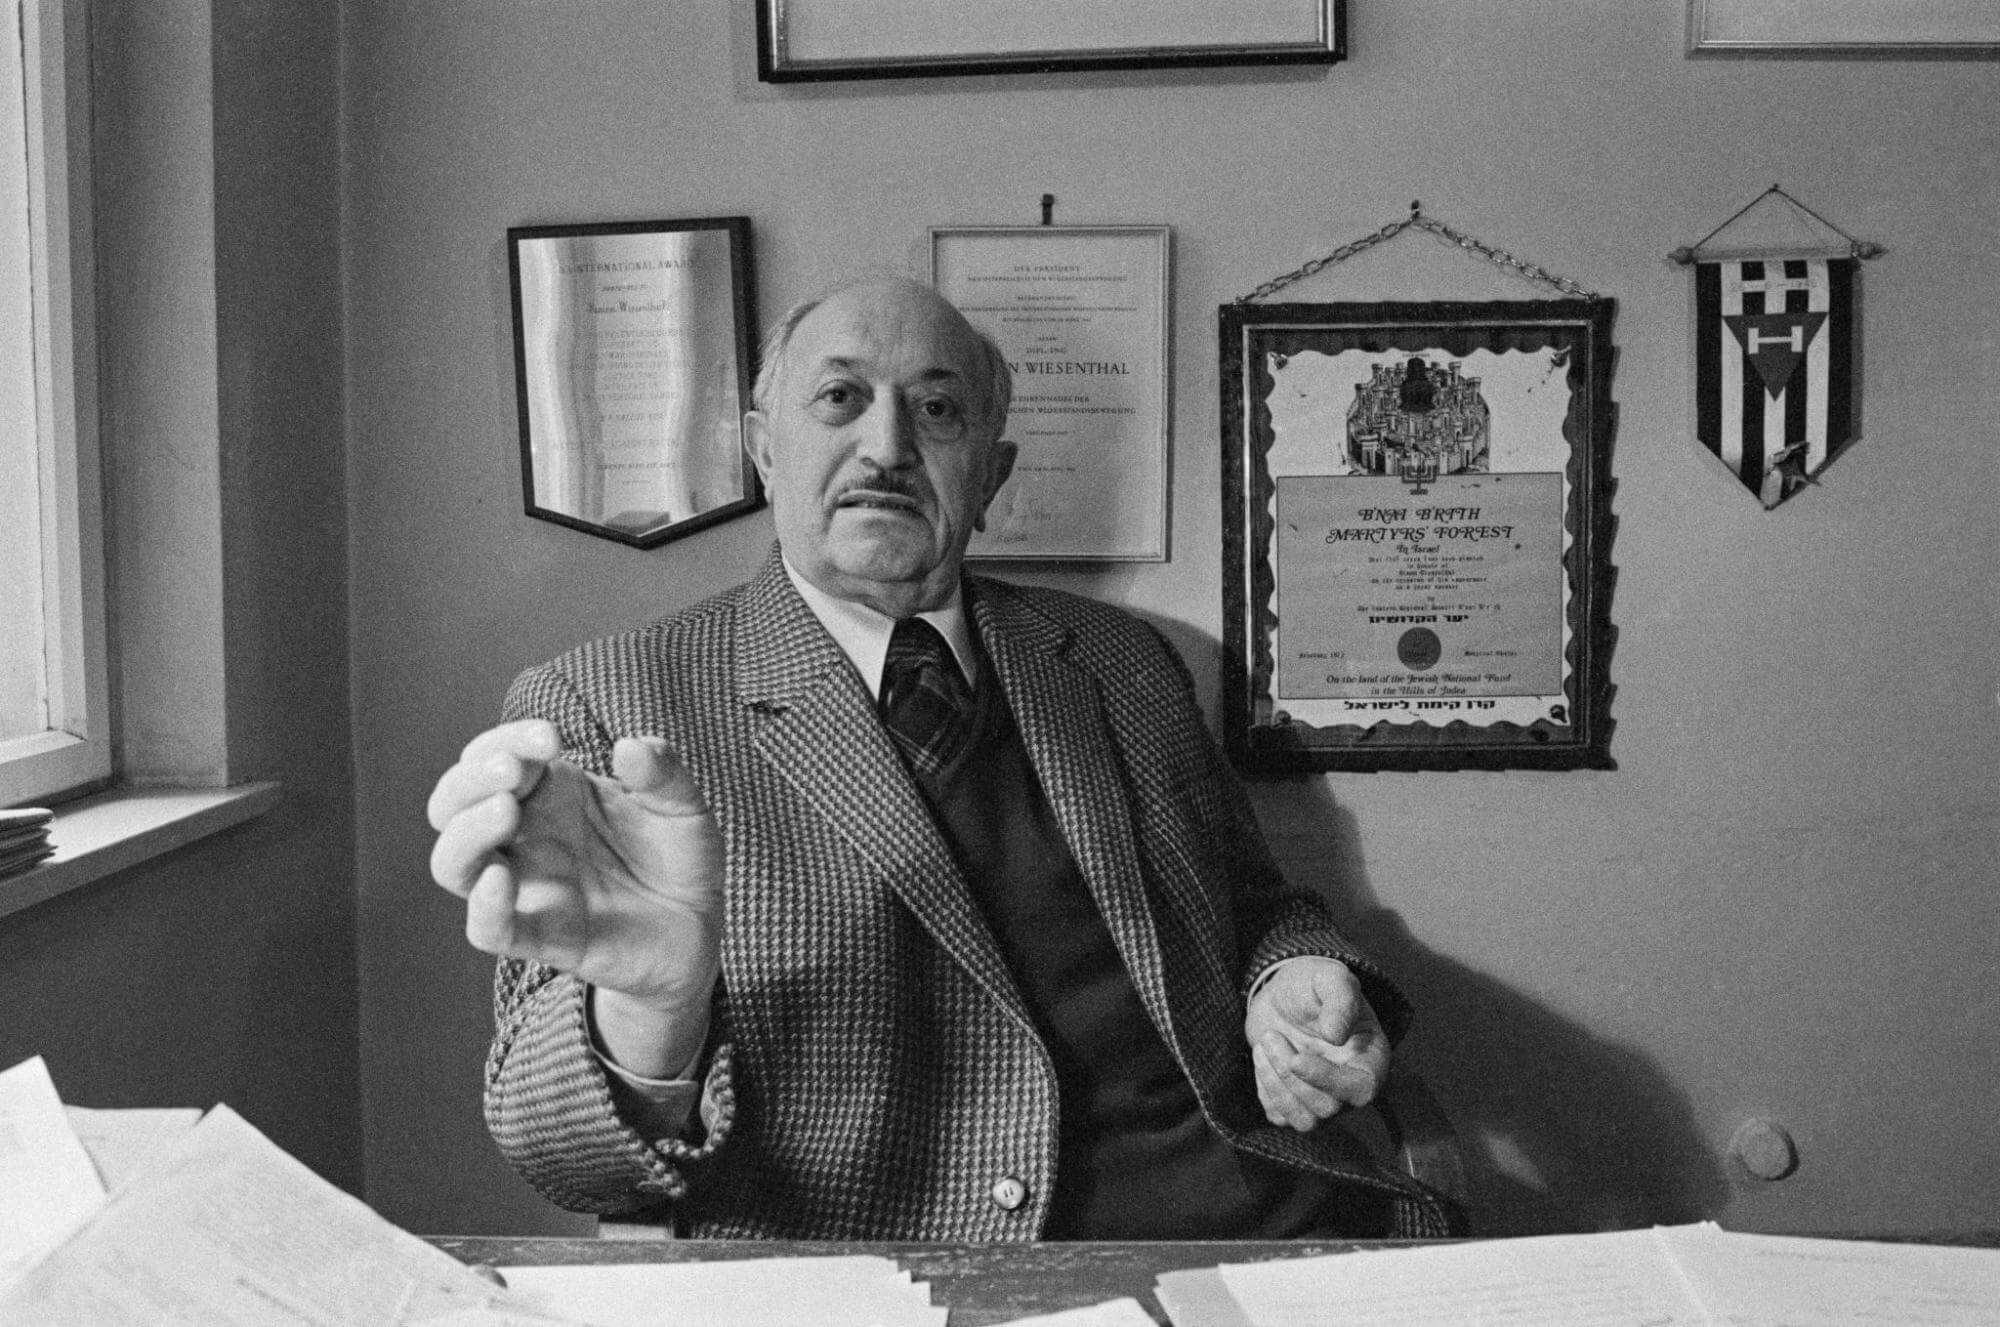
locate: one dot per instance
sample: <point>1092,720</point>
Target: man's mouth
<point>870,499</point>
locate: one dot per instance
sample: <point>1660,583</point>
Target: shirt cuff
<point>656,1107</point>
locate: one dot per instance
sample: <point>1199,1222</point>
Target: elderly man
<point>874,900</point>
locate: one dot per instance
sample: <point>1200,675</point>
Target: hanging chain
<point>1421,222</point>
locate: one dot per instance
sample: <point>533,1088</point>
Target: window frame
<point>74,753</point>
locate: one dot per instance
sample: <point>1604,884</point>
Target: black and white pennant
<point>1774,367</point>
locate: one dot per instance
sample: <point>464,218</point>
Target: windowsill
<point>115,830</point>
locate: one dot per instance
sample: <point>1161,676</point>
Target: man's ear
<point>757,443</point>
<point>999,469</point>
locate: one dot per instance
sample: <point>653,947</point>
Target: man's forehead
<point>868,365</point>
<point>906,332</point>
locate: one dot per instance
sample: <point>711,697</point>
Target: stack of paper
<point>853,1291</point>
<point>221,1228</point>
<point>24,838</point>
<point>211,1222</point>
<point>1681,1276</point>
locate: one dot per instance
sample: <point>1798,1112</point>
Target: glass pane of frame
<point>633,351</point>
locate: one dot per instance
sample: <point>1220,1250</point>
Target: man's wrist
<point>1271,970</point>
<point>645,1040</point>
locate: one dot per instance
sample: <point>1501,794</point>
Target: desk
<point>980,1283</point>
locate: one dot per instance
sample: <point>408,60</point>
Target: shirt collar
<point>863,634</point>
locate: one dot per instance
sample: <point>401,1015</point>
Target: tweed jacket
<point>874,1072</point>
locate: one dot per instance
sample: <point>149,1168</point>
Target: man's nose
<point>887,434</point>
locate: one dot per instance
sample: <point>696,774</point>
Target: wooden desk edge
<point>980,1283</point>
<point>993,1283</point>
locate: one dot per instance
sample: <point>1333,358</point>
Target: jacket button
<point>1009,1193</point>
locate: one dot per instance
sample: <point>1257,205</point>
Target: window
<point>54,706</point>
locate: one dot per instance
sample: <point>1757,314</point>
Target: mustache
<point>885,483</point>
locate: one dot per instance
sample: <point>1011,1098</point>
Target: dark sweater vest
<point>1138,1159</point>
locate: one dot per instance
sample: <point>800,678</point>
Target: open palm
<point>617,881</point>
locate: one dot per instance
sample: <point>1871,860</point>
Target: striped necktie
<point>925,704</point>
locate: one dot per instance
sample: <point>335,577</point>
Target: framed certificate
<point>1758,27</point>
<point>633,349</point>
<point>1417,535</point>
<point>1081,315</point>
<point>800,40</point>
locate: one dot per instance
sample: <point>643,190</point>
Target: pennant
<point>1774,367</point>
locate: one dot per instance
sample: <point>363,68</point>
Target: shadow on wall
<point>1560,1130</point>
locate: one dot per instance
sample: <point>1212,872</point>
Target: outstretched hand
<point>1315,1043</point>
<point>617,881</point>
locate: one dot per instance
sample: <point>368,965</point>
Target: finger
<point>1304,1042</point>
<point>490,912</point>
<point>531,739</point>
<point>1276,1099</point>
<point>1314,1099</point>
<point>654,772</point>
<point>1366,1047</point>
<point>491,765</point>
<point>511,756</point>
<point>470,841</point>
<point>468,783</point>
<point>1369,1071</point>
<point>1339,1000</point>
<point>1325,1085</point>
<point>1276,1090</point>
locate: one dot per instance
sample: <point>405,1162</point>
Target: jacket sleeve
<point>1274,918</point>
<point>549,1104</point>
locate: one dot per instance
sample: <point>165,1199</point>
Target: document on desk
<point>47,1184</point>
<point>834,1291</point>
<point>1681,1276</point>
<point>1779,1281</point>
<point>124,1144</point>
<point>1616,1280</point>
<point>231,1231</point>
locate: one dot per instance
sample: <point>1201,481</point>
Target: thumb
<point>654,773</point>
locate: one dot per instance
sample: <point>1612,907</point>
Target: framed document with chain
<point>1417,534</point>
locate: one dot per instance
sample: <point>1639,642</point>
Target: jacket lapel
<point>815,724</point>
<point>1061,718</point>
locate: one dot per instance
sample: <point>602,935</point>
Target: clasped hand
<point>617,881</point>
<point>1315,1043</point>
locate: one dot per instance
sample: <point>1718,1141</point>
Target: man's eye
<point>939,410</point>
<point>837,399</point>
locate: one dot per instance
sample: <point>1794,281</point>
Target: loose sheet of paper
<point>233,1232</point>
<point>1623,1279</point>
<point>856,1291</point>
<point>1778,1281</point>
<point>124,1144</point>
<point>47,1184</point>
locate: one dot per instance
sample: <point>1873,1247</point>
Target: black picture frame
<point>635,349</point>
<point>785,54</point>
<point>1441,544</point>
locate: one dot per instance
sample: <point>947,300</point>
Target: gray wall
<point>225,972</point>
<point>1781,903</point>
